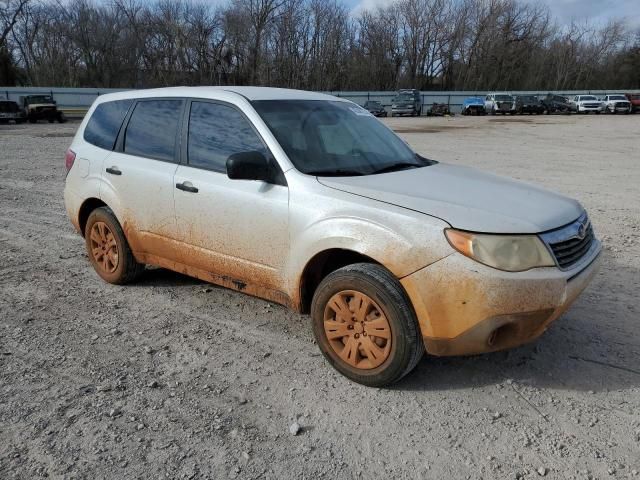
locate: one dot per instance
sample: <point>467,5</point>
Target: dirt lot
<point>176,378</point>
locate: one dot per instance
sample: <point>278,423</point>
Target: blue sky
<point>565,11</point>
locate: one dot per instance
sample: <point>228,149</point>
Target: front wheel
<point>365,325</point>
<point>108,249</point>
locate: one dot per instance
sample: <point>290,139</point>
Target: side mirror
<point>248,166</point>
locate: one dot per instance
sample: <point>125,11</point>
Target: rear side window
<point>104,125</point>
<point>152,129</point>
<point>217,131</point>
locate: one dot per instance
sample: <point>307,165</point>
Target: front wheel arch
<point>321,265</point>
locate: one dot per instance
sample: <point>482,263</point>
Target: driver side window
<point>217,131</point>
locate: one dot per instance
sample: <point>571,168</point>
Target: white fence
<point>77,100</point>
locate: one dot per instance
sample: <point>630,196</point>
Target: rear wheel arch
<point>88,206</point>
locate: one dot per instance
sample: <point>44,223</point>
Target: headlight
<point>513,253</point>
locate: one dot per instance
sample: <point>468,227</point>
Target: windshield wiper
<point>397,166</point>
<point>339,172</point>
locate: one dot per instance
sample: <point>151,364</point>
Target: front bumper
<point>402,110</point>
<point>621,107</point>
<point>532,108</point>
<point>464,307</point>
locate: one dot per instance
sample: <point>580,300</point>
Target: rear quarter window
<point>105,122</point>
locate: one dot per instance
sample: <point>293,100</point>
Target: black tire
<point>377,283</point>
<point>127,269</point>
<point>32,120</point>
<point>62,118</point>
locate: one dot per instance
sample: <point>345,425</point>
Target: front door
<point>236,230</point>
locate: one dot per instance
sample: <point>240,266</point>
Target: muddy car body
<point>309,201</point>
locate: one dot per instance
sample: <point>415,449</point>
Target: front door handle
<point>186,187</point>
<point>114,170</point>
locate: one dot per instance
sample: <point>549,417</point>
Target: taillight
<point>69,158</point>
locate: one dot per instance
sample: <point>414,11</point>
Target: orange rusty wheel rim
<point>104,247</point>
<point>357,329</point>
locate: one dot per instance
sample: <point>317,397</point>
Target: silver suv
<point>308,200</point>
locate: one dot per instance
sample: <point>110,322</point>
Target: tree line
<point>311,44</point>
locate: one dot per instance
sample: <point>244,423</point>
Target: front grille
<point>591,105</point>
<point>569,244</point>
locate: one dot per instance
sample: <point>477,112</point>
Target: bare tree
<point>314,44</point>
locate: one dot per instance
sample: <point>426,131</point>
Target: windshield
<point>403,99</point>
<point>588,97</point>
<point>617,97</point>
<point>334,138</point>
<point>503,98</point>
<point>40,99</point>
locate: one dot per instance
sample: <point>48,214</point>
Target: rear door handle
<point>114,170</point>
<point>186,187</point>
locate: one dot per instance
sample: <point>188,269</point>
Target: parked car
<point>306,200</point>
<point>375,108</point>
<point>634,99</point>
<point>528,104</point>
<point>615,104</point>
<point>473,106</point>
<point>41,107</point>
<point>556,103</point>
<point>586,104</point>
<point>11,112</point>
<point>439,110</point>
<point>407,102</point>
<point>499,103</point>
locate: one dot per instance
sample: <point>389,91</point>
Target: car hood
<point>466,198</point>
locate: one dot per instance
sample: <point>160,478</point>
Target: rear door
<point>139,175</point>
<point>237,230</point>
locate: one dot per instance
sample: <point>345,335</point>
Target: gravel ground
<point>172,377</point>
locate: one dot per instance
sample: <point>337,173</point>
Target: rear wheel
<point>108,249</point>
<point>365,325</point>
